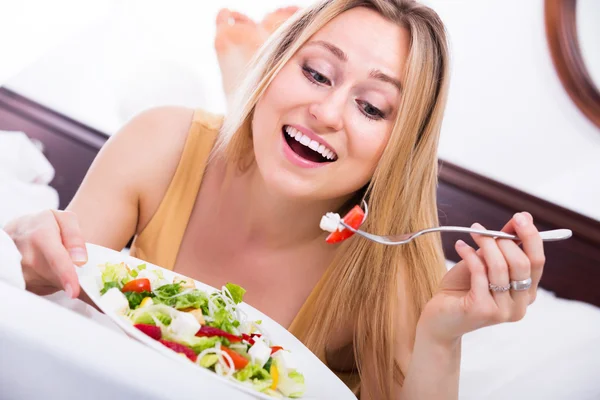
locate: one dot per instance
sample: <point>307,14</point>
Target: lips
<point>308,146</point>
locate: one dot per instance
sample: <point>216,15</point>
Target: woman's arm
<point>431,367</point>
<point>492,285</point>
<point>120,192</point>
<point>434,370</point>
<point>125,183</point>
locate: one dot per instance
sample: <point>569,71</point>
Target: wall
<point>508,116</point>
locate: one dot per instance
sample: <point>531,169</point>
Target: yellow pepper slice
<point>275,375</point>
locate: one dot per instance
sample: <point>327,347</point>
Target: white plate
<point>321,382</point>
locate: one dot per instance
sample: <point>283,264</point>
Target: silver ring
<point>497,288</point>
<point>520,285</point>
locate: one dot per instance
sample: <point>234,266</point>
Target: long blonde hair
<point>362,282</point>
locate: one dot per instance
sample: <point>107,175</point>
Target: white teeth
<point>305,140</point>
<point>293,132</point>
<point>312,144</point>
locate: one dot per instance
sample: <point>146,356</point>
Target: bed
<point>551,354</point>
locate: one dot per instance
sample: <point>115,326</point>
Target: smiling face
<point>322,125</point>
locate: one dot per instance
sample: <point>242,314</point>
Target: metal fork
<point>393,240</point>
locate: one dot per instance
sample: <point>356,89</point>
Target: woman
<point>240,200</point>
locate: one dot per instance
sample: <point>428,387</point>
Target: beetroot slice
<point>210,331</point>
<point>150,330</point>
<point>179,348</point>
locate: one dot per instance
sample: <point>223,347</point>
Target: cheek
<point>367,143</point>
<point>290,89</point>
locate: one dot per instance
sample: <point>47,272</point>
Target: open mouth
<point>307,148</point>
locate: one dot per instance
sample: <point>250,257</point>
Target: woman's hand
<point>465,301</point>
<point>50,243</point>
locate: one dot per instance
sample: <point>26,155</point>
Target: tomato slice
<point>239,361</point>
<point>275,349</point>
<point>137,285</point>
<point>354,218</point>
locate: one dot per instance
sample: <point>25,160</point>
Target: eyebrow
<point>339,54</point>
<point>377,74</point>
<point>336,51</point>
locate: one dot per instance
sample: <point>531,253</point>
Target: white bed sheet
<point>553,353</point>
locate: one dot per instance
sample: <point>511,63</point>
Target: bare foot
<point>238,37</point>
<point>274,19</point>
<point>237,40</point>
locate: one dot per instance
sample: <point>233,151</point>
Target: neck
<point>268,219</point>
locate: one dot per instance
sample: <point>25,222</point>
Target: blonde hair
<point>362,283</point>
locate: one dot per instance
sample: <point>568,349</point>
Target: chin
<point>281,182</point>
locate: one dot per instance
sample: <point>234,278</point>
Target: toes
<point>241,18</point>
<point>223,16</point>
<point>288,10</point>
<point>281,14</point>
<point>273,20</point>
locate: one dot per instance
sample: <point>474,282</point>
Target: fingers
<point>71,236</point>
<point>519,270</point>
<point>479,279</point>
<point>60,263</point>
<point>533,247</point>
<point>499,261</point>
<point>49,258</point>
<point>497,268</point>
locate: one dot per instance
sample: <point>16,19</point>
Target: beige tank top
<point>159,241</point>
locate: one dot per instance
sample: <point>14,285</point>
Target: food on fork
<point>330,222</point>
<point>209,329</point>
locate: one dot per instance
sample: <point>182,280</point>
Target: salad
<point>208,329</point>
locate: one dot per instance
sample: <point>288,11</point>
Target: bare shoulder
<point>130,175</point>
<point>160,134</point>
<point>160,129</point>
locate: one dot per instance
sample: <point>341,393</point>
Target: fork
<point>393,240</point>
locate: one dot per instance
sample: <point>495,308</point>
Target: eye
<point>370,111</point>
<point>315,76</point>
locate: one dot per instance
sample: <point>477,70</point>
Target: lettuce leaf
<point>267,365</point>
<point>223,320</point>
<point>199,344</point>
<point>237,292</point>
<point>252,371</point>
<point>135,298</point>
<point>193,299</point>
<point>144,315</point>
<point>110,285</point>
<point>115,273</point>
<point>292,385</point>
<point>168,291</point>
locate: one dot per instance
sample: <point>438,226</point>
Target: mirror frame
<point>561,32</point>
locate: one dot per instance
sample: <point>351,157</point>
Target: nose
<point>329,111</point>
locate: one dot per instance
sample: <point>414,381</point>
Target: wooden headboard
<point>572,268</point>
